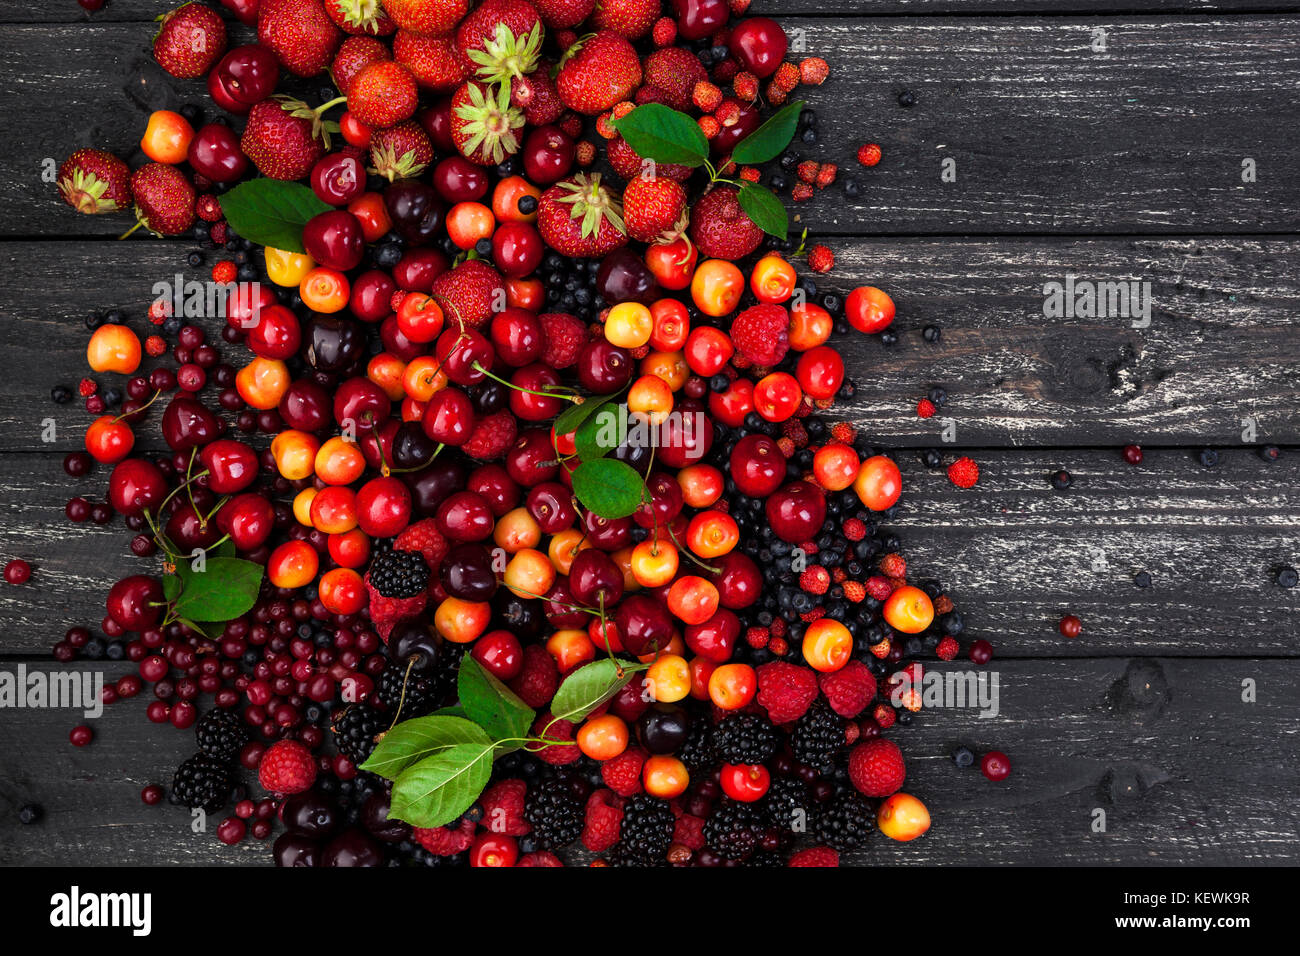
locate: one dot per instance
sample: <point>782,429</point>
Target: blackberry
<point>765,858</point>
<point>422,693</point>
<point>355,730</point>
<point>645,833</point>
<point>201,782</point>
<point>554,812</point>
<point>697,752</point>
<point>399,574</point>
<point>846,822</point>
<point>221,734</point>
<point>734,829</point>
<point>745,738</point>
<point>817,736</point>
<point>787,803</point>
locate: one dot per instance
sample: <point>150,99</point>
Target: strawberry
<point>761,334</point>
<point>300,33</point>
<point>93,181</point>
<point>190,39</point>
<point>360,17</point>
<point>564,13</point>
<point>164,200</point>
<point>720,228</point>
<point>433,61</point>
<point>821,259</point>
<point>598,72</point>
<point>285,137</point>
<point>674,71</point>
<point>580,218</point>
<point>964,472</point>
<point>654,207</point>
<point>501,40</point>
<point>484,124</point>
<point>470,293</point>
<point>431,17</point>
<point>627,18</point>
<point>355,54</point>
<point>383,94</point>
<point>286,767</point>
<point>400,152</point>
<point>628,164</point>
<point>536,95</point>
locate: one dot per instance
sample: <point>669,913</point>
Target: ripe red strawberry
<point>674,71</point>
<point>580,218</point>
<point>287,767</point>
<point>558,14</point>
<point>564,335</point>
<point>876,767</point>
<point>653,207</point>
<point>191,38</point>
<point>383,94</point>
<point>628,164</point>
<point>484,126</point>
<point>423,536</point>
<point>93,181</point>
<point>400,152</point>
<point>285,137</point>
<point>719,227</point>
<point>964,472</point>
<point>537,682</point>
<point>628,18</point>
<point>785,690</point>
<point>537,96</point>
<point>433,61</point>
<point>355,54</point>
<point>164,200</point>
<point>360,17</point>
<point>850,689</point>
<point>761,334</point>
<point>491,436</point>
<point>503,808</point>
<point>603,819</point>
<point>598,72</point>
<point>300,33</point>
<point>432,17</point>
<point>815,856</point>
<point>470,293</point>
<point>500,40</point>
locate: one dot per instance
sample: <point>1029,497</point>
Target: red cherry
<point>465,516</point>
<point>338,179</point>
<point>109,440</point>
<point>215,153</point>
<point>449,417</point>
<point>820,371</point>
<point>277,334</point>
<point>136,603</point>
<point>796,512</point>
<point>747,120</point>
<point>593,576</point>
<point>715,639</point>
<point>665,501</point>
<point>517,249</point>
<point>547,155</point>
<point>188,424</point>
<point>249,519</point>
<point>417,269</point>
<point>745,782</point>
<point>306,406</point>
<point>372,293</point>
<point>136,485</point>
<point>243,77</point>
<point>731,407</point>
<point>232,466</point>
<point>459,180</point>
<point>759,44</point>
<point>516,335</point>
<point>530,405</point>
<point>436,121</point>
<point>494,483</point>
<point>644,624</point>
<point>697,19</point>
<point>551,505</point>
<point>500,653</point>
<point>531,460</point>
<point>757,466</point>
<point>604,368</point>
<point>738,580</point>
<point>334,239</point>
<point>464,355</point>
<point>244,307</point>
<point>383,507</point>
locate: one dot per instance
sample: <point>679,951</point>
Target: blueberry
<point>1208,457</point>
<point>1270,453</point>
<point>963,757</point>
<point>931,459</point>
<point>932,333</point>
<point>61,394</point>
<point>1061,480</point>
<point>30,813</point>
<point>888,337</point>
<point>527,205</point>
<point>195,259</point>
<point>851,189</point>
<point>1287,577</point>
<point>1142,579</point>
<point>907,99</point>
<point>938,395</point>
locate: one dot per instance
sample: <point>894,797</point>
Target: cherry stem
<point>567,394</point>
<point>140,409</point>
<point>691,557</point>
<point>401,699</point>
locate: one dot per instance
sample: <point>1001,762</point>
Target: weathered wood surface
<point>1047,135</point>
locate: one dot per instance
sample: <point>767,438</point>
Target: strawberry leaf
<point>768,140</point>
<point>765,209</point>
<point>609,487</point>
<point>271,212</point>
<point>664,135</point>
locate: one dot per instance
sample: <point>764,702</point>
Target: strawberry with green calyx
<point>580,218</point>
<point>506,57</point>
<point>360,17</point>
<point>189,40</point>
<point>484,26</point>
<point>400,152</point>
<point>285,137</point>
<point>164,200</point>
<point>300,33</point>
<point>93,182</point>
<point>598,71</point>
<point>654,208</point>
<point>484,126</point>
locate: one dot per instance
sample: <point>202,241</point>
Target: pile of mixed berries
<point>398,493</point>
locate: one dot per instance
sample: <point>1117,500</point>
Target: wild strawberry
<point>892,565</point>
<point>746,86</point>
<point>815,580</point>
<point>925,408</point>
<point>876,767</point>
<point>709,126</point>
<point>628,164</point>
<point>706,96</point>
<point>779,646</point>
<point>286,767</point>
<point>218,233</point>
<point>627,18</point>
<point>948,648</point>
<point>585,154</point>
<point>93,181</point>
<point>664,32</point>
<point>750,174</point>
<point>87,387</point>
<point>190,39</point>
<point>738,7</point>
<point>483,123</point>
<point>942,604</point>
<point>727,113</point>
<point>813,71</point>
<point>164,200</point>
<point>720,228</point>
<point>580,218</point>
<point>826,173</point>
<point>807,171</point>
<point>160,310</point>
<point>285,137</point>
<point>883,714</point>
<point>430,17</point>
<point>854,529</point>
<point>360,17</point>
<point>383,94</point>
<point>400,152</point>
<point>757,637</point>
<point>821,259</point>
<point>208,208</point>
<point>653,207</point>
<point>854,592</point>
<point>470,293</point>
<point>537,95</point>
<point>598,72</point>
<point>776,96</point>
<point>564,13</point>
<point>155,345</point>
<point>761,334</point>
<point>786,77</point>
<point>802,192</point>
<point>964,472</point>
<point>869,154</point>
<point>675,72</point>
<point>724,72</point>
<point>300,34</point>
<point>225,272</point>
<point>354,55</point>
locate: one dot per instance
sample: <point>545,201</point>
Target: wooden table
<point>1088,143</point>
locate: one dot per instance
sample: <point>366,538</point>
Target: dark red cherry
<point>467,573</point>
<point>459,180</point>
<point>249,519</point>
<point>306,406</point>
<point>796,512</point>
<point>243,77</point>
<point>604,368</point>
<point>551,505</point>
<point>433,485</point>
<point>759,44</point>
<point>594,577</point>
<point>697,19</point>
<point>277,334</point>
<point>516,335</point>
<point>372,294</point>
<point>624,277</point>
<point>417,269</point>
<point>334,239</point>
<point>547,154</point>
<point>187,424</point>
<point>643,624</point>
<point>738,580</point>
<point>757,466</point>
<point>136,485</point>
<point>449,417</point>
<point>215,153</point>
<point>338,179</point>
<point>333,343</point>
<point>232,466</point>
<point>359,403</point>
<point>531,459</point>
<point>465,516</point>
<point>136,603</point>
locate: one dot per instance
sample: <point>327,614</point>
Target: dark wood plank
<point>1221,346</point>
<point>1014,554</point>
<point>1185,772</point>
<point>1081,142</point>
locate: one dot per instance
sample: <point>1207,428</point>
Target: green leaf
<point>491,704</point>
<point>225,589</point>
<point>573,416</point>
<point>225,549</point>
<point>765,208</point>
<point>172,586</point>
<point>271,212</point>
<point>600,434</point>
<point>456,711</point>
<point>193,626</point>
<point>440,788</point>
<point>768,140</point>
<point>662,134</point>
<point>590,686</point>
<point>414,740</point>
<point>609,487</point>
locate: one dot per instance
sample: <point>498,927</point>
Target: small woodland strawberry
<point>285,137</point>
<point>300,33</point>
<point>354,55</point>
<point>580,218</point>
<point>558,14</point>
<point>190,39</point>
<point>653,208</point>
<point>821,259</point>
<point>383,94</point>
<point>164,200</point>
<point>598,72</point>
<point>720,228</point>
<point>674,72</point>
<point>400,152</point>
<point>470,293</point>
<point>484,126</point>
<point>964,472</point>
<point>627,18</point>
<point>430,17</point>
<point>360,17</point>
<point>93,181</point>
<point>435,62</point>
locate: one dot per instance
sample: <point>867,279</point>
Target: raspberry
<point>386,612</point>
<point>876,767</point>
<point>503,808</point>
<point>855,529</point>
<point>925,408</point>
<point>821,259</point>
<point>423,536</point>
<point>689,831</point>
<point>785,691</point>
<point>706,96</point>
<point>869,154</point>
<point>854,592</point>
<point>757,637</point>
<point>761,334</point>
<point>849,689</point>
<point>537,682</point>
<point>964,472</point>
<point>603,818</point>
<point>622,774</point>
<point>492,435</point>
<point>540,858</point>
<point>814,71</point>
<point>844,433</point>
<point>948,648</point>
<point>746,85</point>
<point>444,841</point>
<point>826,174</point>
<point>287,767</point>
<point>815,856</point>
<point>557,755</point>
<point>884,715</point>
<point>892,566</point>
<point>664,31</point>
<point>87,387</point>
<point>786,77</point>
<point>225,272</point>
<point>565,335</point>
<point>218,232</point>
